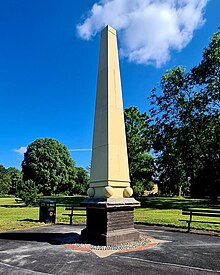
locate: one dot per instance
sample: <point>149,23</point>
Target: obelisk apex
<point>109,167</point>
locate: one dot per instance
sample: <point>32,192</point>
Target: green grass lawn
<point>168,211</point>
<point>15,215</point>
<point>157,211</point>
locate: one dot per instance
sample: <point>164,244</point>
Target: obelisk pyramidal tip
<point>109,168</point>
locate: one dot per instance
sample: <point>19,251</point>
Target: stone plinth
<point>110,221</point>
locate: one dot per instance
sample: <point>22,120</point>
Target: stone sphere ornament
<point>109,191</point>
<point>91,192</point>
<point>128,192</point>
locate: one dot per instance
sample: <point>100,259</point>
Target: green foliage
<point>5,183</point>
<point>15,178</point>
<point>139,140</point>
<point>28,192</point>
<point>186,121</point>
<point>49,165</point>
<point>138,188</point>
<point>82,181</point>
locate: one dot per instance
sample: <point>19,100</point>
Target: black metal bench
<point>202,213</point>
<point>18,200</point>
<point>72,210</point>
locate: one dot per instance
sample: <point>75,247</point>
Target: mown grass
<point>157,211</point>
<point>15,215</point>
<point>168,211</point>
<point>176,203</point>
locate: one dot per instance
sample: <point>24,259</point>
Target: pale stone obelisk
<point>109,166</point>
<point>109,207</point>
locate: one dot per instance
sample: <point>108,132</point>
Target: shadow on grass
<point>28,220</point>
<point>12,206</point>
<point>176,203</point>
<point>51,238</point>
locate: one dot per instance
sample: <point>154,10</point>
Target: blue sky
<point>49,58</point>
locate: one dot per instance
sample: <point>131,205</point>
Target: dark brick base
<point>111,225</point>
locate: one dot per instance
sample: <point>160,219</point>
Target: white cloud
<point>148,29</point>
<point>21,150</point>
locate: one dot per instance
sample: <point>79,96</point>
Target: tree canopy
<point>82,181</point>
<point>186,121</point>
<point>49,165</point>
<point>139,141</point>
<point>47,169</point>
<point>5,182</point>
<point>16,179</point>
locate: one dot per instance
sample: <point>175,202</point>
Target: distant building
<point>152,192</point>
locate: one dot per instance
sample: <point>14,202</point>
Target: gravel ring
<point>122,246</point>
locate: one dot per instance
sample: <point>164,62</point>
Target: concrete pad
<point>45,250</point>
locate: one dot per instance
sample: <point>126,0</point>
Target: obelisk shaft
<point>109,167</point>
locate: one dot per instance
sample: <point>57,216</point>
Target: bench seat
<point>72,213</point>
<point>191,212</point>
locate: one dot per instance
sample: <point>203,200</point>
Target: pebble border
<point>143,242</point>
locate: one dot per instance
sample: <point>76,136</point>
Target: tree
<point>139,140</point>
<point>5,182</point>
<point>82,181</point>
<point>28,192</point>
<point>15,178</point>
<point>186,122</point>
<point>49,165</point>
<point>207,76</point>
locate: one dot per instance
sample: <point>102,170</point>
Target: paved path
<point>42,251</point>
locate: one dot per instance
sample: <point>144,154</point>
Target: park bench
<point>72,210</point>
<point>201,213</point>
<point>18,200</point>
